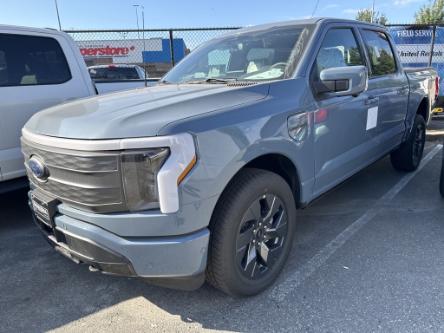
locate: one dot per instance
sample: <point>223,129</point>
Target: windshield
<point>263,55</point>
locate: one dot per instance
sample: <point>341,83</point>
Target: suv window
<point>339,49</point>
<point>380,52</point>
<point>31,60</point>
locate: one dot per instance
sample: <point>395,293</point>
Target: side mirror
<point>343,81</point>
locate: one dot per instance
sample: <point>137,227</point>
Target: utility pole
<point>373,12</point>
<point>58,15</point>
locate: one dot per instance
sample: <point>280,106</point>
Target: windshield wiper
<point>211,80</point>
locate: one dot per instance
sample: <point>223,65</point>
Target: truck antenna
<point>58,15</point>
<point>315,8</point>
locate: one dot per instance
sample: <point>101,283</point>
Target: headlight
<point>151,177</point>
<point>139,176</point>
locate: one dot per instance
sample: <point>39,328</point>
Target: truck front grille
<point>87,180</point>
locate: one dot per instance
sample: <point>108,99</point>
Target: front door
<point>340,123</point>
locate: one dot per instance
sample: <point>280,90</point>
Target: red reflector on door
<point>321,116</point>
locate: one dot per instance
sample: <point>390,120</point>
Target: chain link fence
<point>157,50</point>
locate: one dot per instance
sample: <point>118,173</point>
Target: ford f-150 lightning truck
<point>200,177</point>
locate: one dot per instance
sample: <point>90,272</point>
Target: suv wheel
<point>408,156</point>
<point>251,233</point>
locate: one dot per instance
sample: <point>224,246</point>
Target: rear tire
<point>251,233</point>
<point>408,156</point>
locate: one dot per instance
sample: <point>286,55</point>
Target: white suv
<point>39,68</point>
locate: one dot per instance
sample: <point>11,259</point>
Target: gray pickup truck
<point>201,175</point>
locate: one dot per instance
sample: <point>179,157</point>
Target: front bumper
<point>181,257</point>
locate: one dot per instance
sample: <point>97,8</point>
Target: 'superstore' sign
<point>121,51</point>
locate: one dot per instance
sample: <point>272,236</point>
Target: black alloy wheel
<point>262,234</point>
<point>408,156</point>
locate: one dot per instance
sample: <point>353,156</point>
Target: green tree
<point>431,14</point>
<point>366,14</point>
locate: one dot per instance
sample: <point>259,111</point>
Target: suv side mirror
<point>342,81</point>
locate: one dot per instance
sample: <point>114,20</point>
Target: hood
<point>139,112</point>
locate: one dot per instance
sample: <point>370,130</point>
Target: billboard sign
<point>127,51</point>
<point>121,51</point>
<point>414,46</point>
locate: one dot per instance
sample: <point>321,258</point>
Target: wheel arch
<point>281,165</point>
<point>423,109</point>
<point>277,163</point>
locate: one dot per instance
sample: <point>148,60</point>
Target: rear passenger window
<point>380,53</point>
<point>30,60</point>
<point>339,49</point>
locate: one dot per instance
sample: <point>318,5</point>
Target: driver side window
<point>339,49</point>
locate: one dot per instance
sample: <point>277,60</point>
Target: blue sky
<point>102,14</point>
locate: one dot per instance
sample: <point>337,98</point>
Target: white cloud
<point>330,6</point>
<point>351,11</point>
<point>405,2</point>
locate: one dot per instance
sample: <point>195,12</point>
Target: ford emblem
<point>38,168</point>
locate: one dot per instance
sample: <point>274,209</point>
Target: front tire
<point>251,233</point>
<point>408,156</point>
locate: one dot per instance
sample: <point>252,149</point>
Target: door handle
<point>372,100</point>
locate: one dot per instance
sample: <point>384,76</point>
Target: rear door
<point>388,88</point>
<point>34,74</point>
<point>341,137</point>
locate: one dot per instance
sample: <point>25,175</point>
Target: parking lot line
<point>280,291</point>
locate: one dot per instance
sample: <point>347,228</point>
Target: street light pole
<point>58,15</point>
<point>137,20</point>
<point>143,37</point>
<point>143,27</point>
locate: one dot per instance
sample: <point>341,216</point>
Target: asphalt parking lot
<point>368,257</point>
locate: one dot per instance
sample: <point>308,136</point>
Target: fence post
<point>172,47</point>
<point>432,46</point>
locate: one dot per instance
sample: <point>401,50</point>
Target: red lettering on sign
<point>106,51</point>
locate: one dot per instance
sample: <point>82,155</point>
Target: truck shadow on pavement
<point>41,290</point>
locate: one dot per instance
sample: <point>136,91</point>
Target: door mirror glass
<point>342,81</point>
